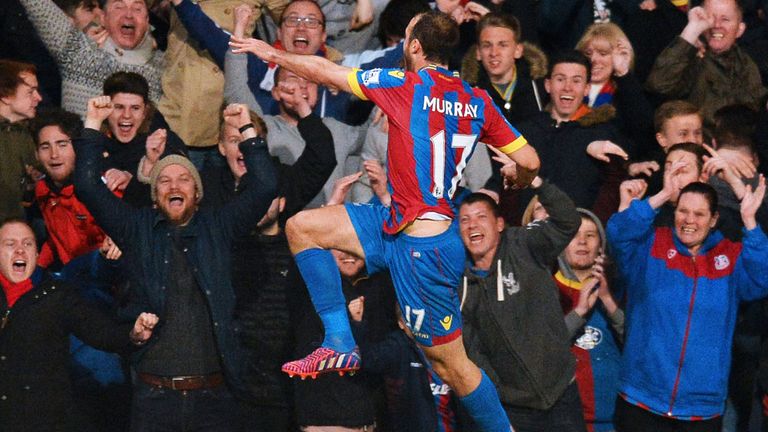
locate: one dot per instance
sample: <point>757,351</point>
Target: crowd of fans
<point>148,172</point>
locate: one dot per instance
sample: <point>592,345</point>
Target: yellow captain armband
<point>354,84</point>
<point>514,146</point>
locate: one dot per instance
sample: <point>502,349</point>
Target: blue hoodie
<point>681,312</point>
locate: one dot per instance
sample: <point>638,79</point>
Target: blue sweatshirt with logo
<point>681,311</point>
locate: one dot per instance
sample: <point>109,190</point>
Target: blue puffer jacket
<point>144,236</point>
<point>681,311</point>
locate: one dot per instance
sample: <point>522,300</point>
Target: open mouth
<point>125,127</point>
<point>300,42</point>
<point>476,237</point>
<point>240,162</point>
<point>19,266</point>
<point>717,35</point>
<point>127,29</point>
<point>567,98</point>
<point>175,201</point>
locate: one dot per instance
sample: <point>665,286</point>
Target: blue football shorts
<point>425,271</point>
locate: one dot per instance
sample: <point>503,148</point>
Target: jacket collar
<point>710,242</point>
<point>45,189</point>
<point>188,230</point>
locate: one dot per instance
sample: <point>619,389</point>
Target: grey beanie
<point>174,159</point>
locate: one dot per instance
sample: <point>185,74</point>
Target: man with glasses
<point>301,31</point>
<point>193,79</point>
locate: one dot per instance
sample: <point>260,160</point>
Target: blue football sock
<point>323,280</point>
<point>484,407</point>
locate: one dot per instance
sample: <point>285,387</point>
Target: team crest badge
<point>590,339</point>
<point>671,253</point>
<point>722,262</point>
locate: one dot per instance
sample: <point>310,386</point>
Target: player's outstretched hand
<point>257,47</point>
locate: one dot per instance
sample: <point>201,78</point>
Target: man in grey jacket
<point>513,322</point>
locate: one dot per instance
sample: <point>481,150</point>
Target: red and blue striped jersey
<point>435,122</point>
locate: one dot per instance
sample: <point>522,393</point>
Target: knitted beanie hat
<point>174,159</point>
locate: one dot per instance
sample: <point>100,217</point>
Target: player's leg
<point>426,272</point>
<point>476,392</point>
<point>311,234</point>
<point>323,228</point>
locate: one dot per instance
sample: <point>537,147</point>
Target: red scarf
<point>279,45</point>
<point>14,291</point>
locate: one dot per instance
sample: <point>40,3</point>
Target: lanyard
<point>507,93</point>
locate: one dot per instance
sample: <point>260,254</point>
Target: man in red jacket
<point>72,231</point>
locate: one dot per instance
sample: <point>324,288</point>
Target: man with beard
<point>179,259</point>
<point>435,121</point>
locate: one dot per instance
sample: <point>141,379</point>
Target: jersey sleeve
<point>497,131</point>
<point>381,86</point>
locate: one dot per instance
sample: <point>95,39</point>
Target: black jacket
<point>126,157</point>
<point>35,388</point>
<point>562,149</point>
<point>528,98</point>
<point>331,400</point>
<point>144,235</point>
<point>513,322</point>
<point>262,265</point>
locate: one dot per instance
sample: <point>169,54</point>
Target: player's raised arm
<point>314,68</point>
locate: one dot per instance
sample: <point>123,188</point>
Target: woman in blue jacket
<point>683,285</point>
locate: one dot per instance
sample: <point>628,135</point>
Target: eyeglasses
<point>309,22</point>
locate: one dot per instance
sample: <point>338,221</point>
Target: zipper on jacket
<point>5,319</point>
<point>685,337</point>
